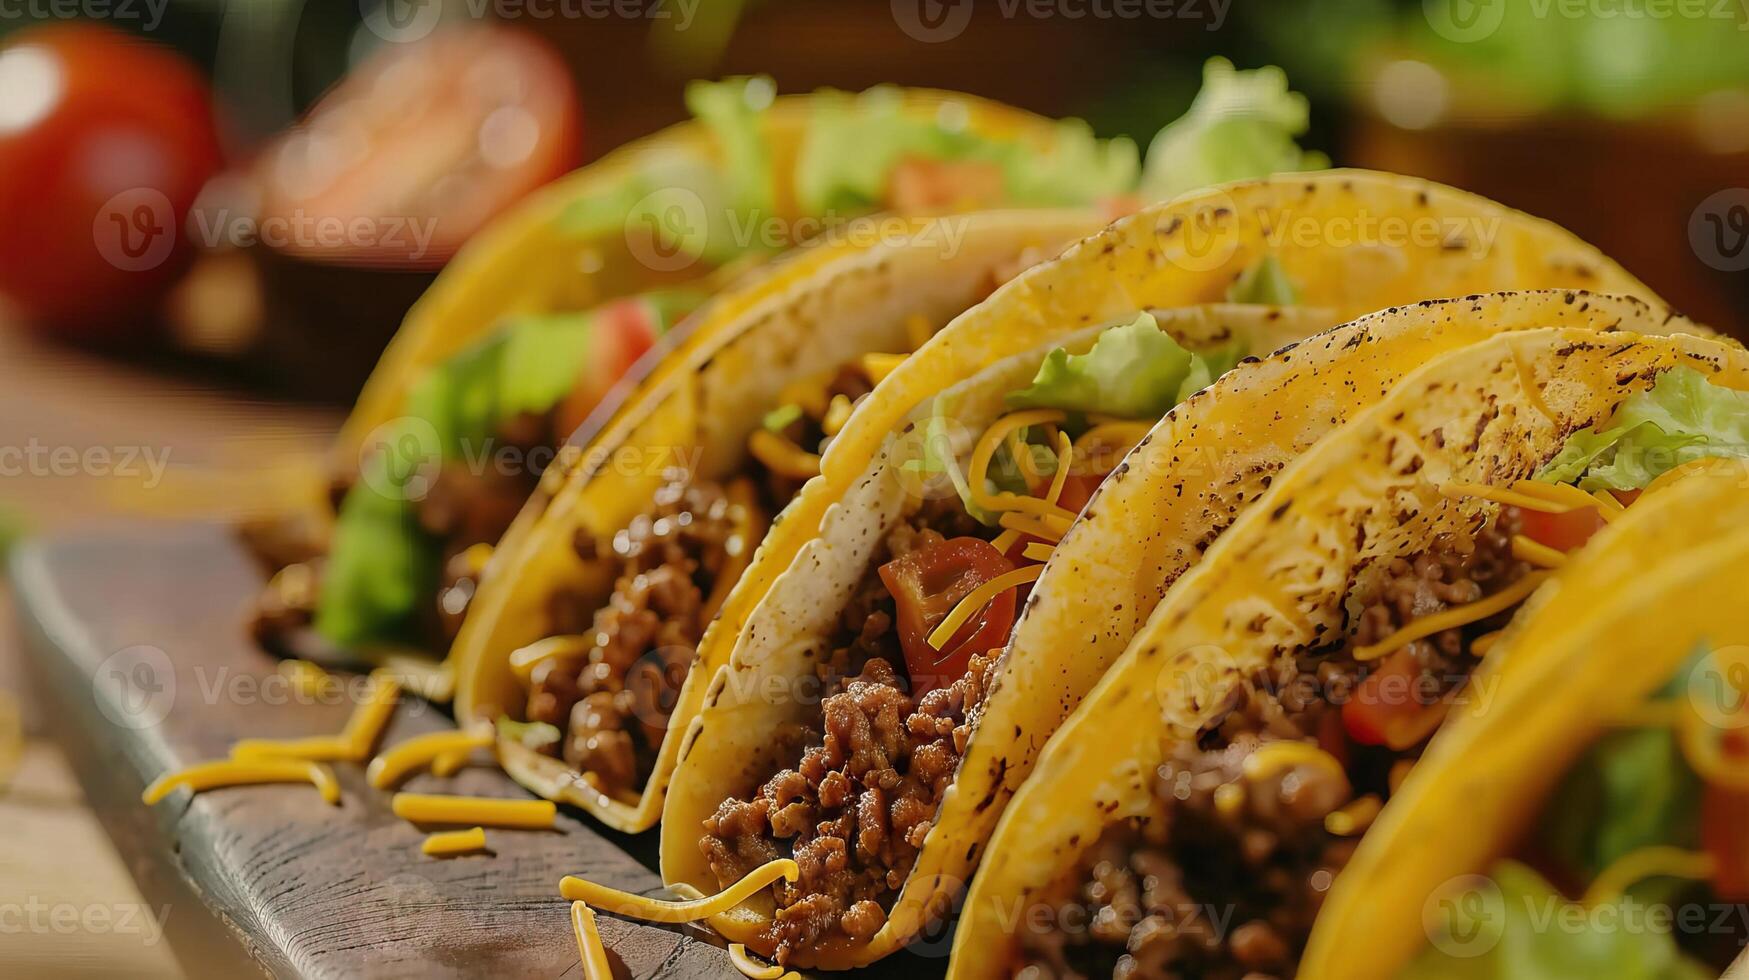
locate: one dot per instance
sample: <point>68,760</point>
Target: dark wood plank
<point>137,640</point>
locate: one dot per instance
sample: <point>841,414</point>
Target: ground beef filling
<point>612,705</point>
<point>854,811</point>
<point>1226,878</point>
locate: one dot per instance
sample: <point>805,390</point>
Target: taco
<point>1595,812</point>
<point>864,597</point>
<point>1283,692</point>
<point>495,365</point>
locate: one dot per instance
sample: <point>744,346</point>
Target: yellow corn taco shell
<point>1351,241</point>
<point>1602,637</point>
<point>822,308</point>
<point>1280,578</point>
<point>528,261</point>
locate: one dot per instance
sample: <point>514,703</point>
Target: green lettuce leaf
<point>1135,371</point>
<point>1264,283</point>
<point>1242,125</point>
<point>530,734</point>
<point>1532,932</point>
<point>937,457</point>
<point>854,142</point>
<point>1682,418</point>
<point>733,110</point>
<point>381,567</point>
<point>1633,789</point>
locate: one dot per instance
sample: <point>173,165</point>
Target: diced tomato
<point>926,585</point>
<point>624,330</point>
<point>1387,707</point>
<point>1724,825</point>
<point>1562,532</point>
<point>919,185</point>
<point>1626,497</point>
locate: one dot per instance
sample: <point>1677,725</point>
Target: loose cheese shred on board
<point>316,748</point>
<point>421,751</point>
<point>308,681</point>
<point>449,763</point>
<point>372,714</point>
<point>449,843</point>
<point>589,948</point>
<point>657,910</point>
<point>1454,617</point>
<point>203,776</point>
<point>750,967</point>
<point>467,810</point>
<point>980,597</point>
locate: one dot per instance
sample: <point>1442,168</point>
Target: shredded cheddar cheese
<point>781,456</point>
<point>1038,551</point>
<point>1059,479</point>
<point>1536,553</point>
<point>1273,757</point>
<point>1647,862</point>
<point>449,843</point>
<point>244,772</point>
<point>1006,539</point>
<point>878,366</point>
<point>372,714</point>
<point>1607,504</point>
<point>1354,818</point>
<point>1046,528</point>
<point>1454,617</point>
<point>316,748</point>
<point>978,598</point>
<point>751,968</point>
<point>523,660</point>
<point>420,751</point>
<point>307,680</point>
<point>691,910</point>
<point>985,449</point>
<point>1023,457</point>
<point>1699,741</point>
<point>484,811</point>
<point>1704,466</point>
<point>449,763</point>
<point>837,413</point>
<point>589,948</point>
<point>1556,493</point>
<point>1485,642</point>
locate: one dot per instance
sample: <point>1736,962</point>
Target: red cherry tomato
<point>926,585</point>
<point>104,143</point>
<point>624,330</point>
<point>1562,532</point>
<point>421,145</point>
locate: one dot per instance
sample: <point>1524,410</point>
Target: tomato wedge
<point>624,330</point>
<point>926,585</point>
<point>1562,532</point>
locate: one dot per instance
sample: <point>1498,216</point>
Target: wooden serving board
<point>137,641</point>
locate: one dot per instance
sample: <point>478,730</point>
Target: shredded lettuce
<point>1529,931</point>
<point>854,142</point>
<point>1264,283</point>
<point>733,110</point>
<point>1242,125</point>
<point>1682,418</point>
<point>1134,371</point>
<point>937,457</point>
<point>780,417</point>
